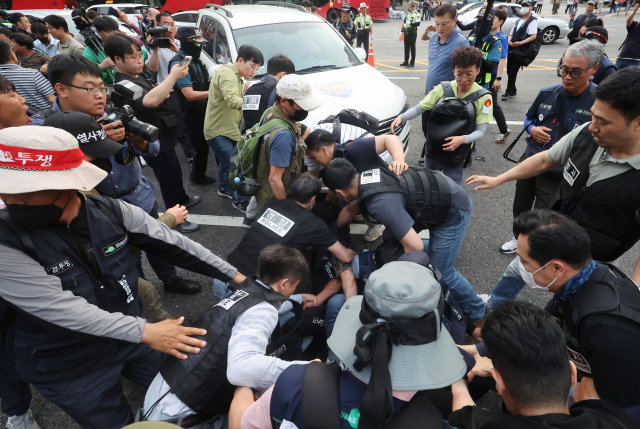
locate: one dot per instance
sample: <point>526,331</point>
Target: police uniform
<point>545,112</point>
<point>410,30</point>
<point>345,28</point>
<point>256,100</point>
<point>363,25</point>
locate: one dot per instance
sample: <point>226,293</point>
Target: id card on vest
<point>570,172</point>
<point>579,361</point>
<point>370,176</point>
<point>251,102</point>
<point>230,301</point>
<point>274,221</point>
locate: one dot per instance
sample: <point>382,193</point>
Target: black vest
<point>254,102</point>
<point>427,193</point>
<point>199,82</point>
<point>603,293</point>
<point>342,150</point>
<point>201,380</point>
<point>44,347</point>
<point>607,209</point>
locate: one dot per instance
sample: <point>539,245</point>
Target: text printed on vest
<point>111,248</point>
<point>125,285</point>
<point>59,267</point>
<point>579,361</point>
<point>571,172</point>
<point>251,102</point>
<point>274,221</point>
<point>229,302</point>
<point>370,176</point>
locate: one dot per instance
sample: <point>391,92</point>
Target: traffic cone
<point>401,38</point>
<point>370,59</point>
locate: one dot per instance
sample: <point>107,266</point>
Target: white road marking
<point>399,77</point>
<point>509,122</point>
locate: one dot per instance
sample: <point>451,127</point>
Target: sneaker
<point>225,193</point>
<point>509,247</point>
<point>247,222</point>
<point>374,232</point>
<point>192,201</point>
<point>25,421</point>
<point>484,297</point>
<point>503,137</point>
<point>242,206</point>
<point>187,226</point>
<point>505,96</point>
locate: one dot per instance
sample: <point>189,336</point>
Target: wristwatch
<point>499,78</point>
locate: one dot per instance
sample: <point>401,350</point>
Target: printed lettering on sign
<point>125,285</point>
<point>570,172</point>
<point>370,176</point>
<point>112,248</point>
<point>579,361</point>
<point>230,301</point>
<point>545,106</point>
<point>59,268</point>
<point>251,102</point>
<point>274,221</point>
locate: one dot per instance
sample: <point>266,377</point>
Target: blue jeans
<point>452,169</point>
<point>622,63</point>
<point>221,289</point>
<point>223,147</point>
<point>444,245</point>
<point>334,305</point>
<point>509,286</point>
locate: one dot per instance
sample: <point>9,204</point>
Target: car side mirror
<point>360,53</point>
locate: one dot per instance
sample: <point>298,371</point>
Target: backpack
<point>452,116</point>
<point>243,172</point>
<point>351,117</point>
<point>525,54</point>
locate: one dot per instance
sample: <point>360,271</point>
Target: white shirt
<point>531,29</point>
<point>164,56</point>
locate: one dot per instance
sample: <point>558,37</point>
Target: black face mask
<point>191,49</point>
<point>103,164</point>
<point>298,115</point>
<point>485,30</point>
<point>27,217</point>
<point>44,40</point>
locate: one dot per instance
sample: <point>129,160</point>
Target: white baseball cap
<point>296,88</point>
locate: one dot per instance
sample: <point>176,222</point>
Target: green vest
<point>360,25</point>
<point>412,18</point>
<point>485,49</point>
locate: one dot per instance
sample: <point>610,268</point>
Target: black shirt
<point>361,152</point>
<point>631,48</point>
<point>280,222</point>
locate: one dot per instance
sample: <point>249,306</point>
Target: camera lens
<point>143,130</point>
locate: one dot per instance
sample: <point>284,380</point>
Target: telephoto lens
<point>142,130</point>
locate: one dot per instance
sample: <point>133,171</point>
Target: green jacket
<point>107,74</point>
<point>224,106</point>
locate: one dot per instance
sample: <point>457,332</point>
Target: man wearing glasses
<point>556,111</point>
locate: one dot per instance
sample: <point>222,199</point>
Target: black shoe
<point>404,64</point>
<point>411,65</point>
<point>421,162</point>
<point>183,286</point>
<point>205,180</point>
<point>246,222</point>
<point>242,206</point>
<point>187,226</point>
<point>192,201</point>
<point>505,96</point>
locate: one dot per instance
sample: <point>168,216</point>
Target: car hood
<point>362,88</point>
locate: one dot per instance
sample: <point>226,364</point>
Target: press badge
<point>570,172</point>
<point>230,301</point>
<point>579,361</point>
<point>274,221</point>
<point>251,102</point>
<point>370,176</point>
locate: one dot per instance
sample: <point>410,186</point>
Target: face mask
<point>103,164</point>
<point>528,277</point>
<point>44,40</point>
<point>191,49</point>
<point>27,217</point>
<point>485,30</point>
<point>298,115</point>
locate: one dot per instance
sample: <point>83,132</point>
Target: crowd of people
<point>391,337</point>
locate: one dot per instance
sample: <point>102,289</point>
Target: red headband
<point>591,32</point>
<point>37,159</point>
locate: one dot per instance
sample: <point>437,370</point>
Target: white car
<point>334,69</point>
<point>552,28</point>
<point>131,9</point>
<point>187,18</point>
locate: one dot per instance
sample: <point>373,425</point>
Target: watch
<point>499,78</point>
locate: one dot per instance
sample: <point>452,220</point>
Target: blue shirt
<point>281,146</point>
<point>51,50</point>
<point>505,48</point>
<point>123,178</point>
<point>440,58</point>
<point>186,81</point>
<point>494,54</point>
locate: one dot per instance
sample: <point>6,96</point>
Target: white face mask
<point>528,277</point>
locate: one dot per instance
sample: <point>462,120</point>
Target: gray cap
<point>401,290</point>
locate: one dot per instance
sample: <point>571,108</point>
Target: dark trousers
<point>513,67</point>
<point>180,130</point>
<point>195,121</point>
<point>498,114</point>
<point>164,270</point>
<point>363,38</point>
<point>535,192</point>
<point>166,167</point>
<point>410,46</point>
<point>95,400</point>
<point>15,394</point>
<point>568,8</point>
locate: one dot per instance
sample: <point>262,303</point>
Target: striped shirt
<point>30,84</point>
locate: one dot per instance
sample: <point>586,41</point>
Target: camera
<point>123,93</point>
<point>148,28</point>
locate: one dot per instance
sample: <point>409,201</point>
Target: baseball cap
<point>295,87</point>
<point>91,137</point>
<point>191,33</point>
<point>43,158</point>
<point>596,33</point>
<point>482,12</point>
<point>345,6</point>
<point>595,2</point>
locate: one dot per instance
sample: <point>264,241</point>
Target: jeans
<point>622,63</point>
<point>221,289</point>
<point>444,244</point>
<point>223,147</point>
<point>509,286</point>
<point>166,167</point>
<point>334,305</point>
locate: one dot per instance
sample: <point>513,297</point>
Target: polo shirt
<point>440,58</point>
<point>51,50</point>
<point>505,48</point>
<point>224,106</point>
<point>30,84</point>
<point>484,113</point>
<point>602,165</point>
<point>70,46</point>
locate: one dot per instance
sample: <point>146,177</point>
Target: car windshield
<point>312,46</point>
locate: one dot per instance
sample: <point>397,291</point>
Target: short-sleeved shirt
<point>186,81</point>
<point>362,154</point>
<point>531,29</point>
<point>505,48</point>
<point>281,146</point>
<point>30,84</point>
<point>484,105</point>
<point>602,165</point>
<point>631,48</point>
<point>440,58</point>
<point>312,232</point>
<point>164,56</point>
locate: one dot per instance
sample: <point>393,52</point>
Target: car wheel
<point>333,15</point>
<point>550,35</point>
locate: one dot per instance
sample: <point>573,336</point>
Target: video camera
<point>123,93</point>
<point>91,39</point>
<point>148,28</point>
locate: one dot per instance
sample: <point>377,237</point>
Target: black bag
<point>352,117</point>
<point>525,54</point>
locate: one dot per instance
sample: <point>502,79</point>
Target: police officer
<point>598,309</point>
<point>557,110</point>
<point>67,275</point>
<point>490,45</point>
<point>396,202</point>
<point>410,30</point>
<point>193,91</point>
<point>344,25</point>
<point>582,18</point>
<point>246,348</point>
<point>364,29</point>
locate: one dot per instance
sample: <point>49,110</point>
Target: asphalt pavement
<point>479,260</point>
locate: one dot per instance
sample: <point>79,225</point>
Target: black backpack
<point>525,54</point>
<point>352,117</point>
<point>452,116</point>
